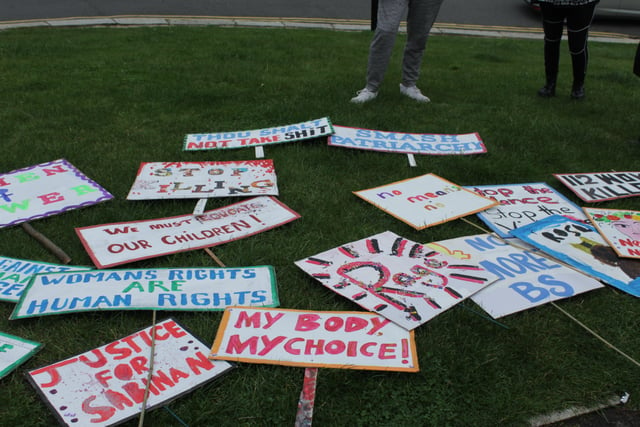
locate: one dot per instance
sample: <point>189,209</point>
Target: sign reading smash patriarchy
<point>114,244</point>
<point>14,351</point>
<point>194,289</point>
<point>621,228</point>
<point>425,200</point>
<point>199,180</point>
<point>409,143</point>
<point>522,204</point>
<point>600,186</point>
<point>345,340</point>
<point>106,385</point>
<point>259,137</point>
<point>44,190</point>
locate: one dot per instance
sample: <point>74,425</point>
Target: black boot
<point>548,90</point>
<point>577,92</point>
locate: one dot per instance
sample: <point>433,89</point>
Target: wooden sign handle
<point>48,244</point>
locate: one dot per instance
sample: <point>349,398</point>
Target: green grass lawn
<point>108,99</point>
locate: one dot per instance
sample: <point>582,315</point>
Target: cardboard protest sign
<point>522,204</point>
<point>601,186</point>
<point>527,278</point>
<point>620,228</point>
<point>14,351</point>
<point>199,180</point>
<point>193,289</point>
<point>322,339</point>
<point>44,190</point>
<point>408,143</point>
<point>15,275</point>
<point>258,137</point>
<point>120,243</point>
<point>106,385</point>
<point>581,246</point>
<point>401,280</point>
<point>425,200</point>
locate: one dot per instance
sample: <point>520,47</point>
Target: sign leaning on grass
<point>620,228</point>
<point>15,275</point>
<point>194,289</point>
<point>14,351</point>
<point>320,339</point>
<point>106,385</point>
<point>522,204</point>
<point>601,186</point>
<point>258,137</point>
<point>409,143</point>
<point>425,201</point>
<point>198,180</point>
<point>44,190</point>
<point>114,244</point>
<point>581,246</point>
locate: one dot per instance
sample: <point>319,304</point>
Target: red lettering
<point>387,348</point>
<point>307,322</point>
<point>103,412</point>
<point>50,198</point>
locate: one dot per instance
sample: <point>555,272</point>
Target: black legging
<point>578,22</point>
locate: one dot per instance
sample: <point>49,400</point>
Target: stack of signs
<point>425,201</point>
<point>194,289</point>
<point>581,246</point>
<point>522,204</point>
<point>197,180</point>
<point>106,385</point>
<point>329,339</point>
<point>601,186</point>
<point>620,228</point>
<point>44,190</point>
<point>527,277</point>
<point>14,351</point>
<point>402,280</point>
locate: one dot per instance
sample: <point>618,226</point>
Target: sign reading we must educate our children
<point>425,200</point>
<point>44,190</point>
<point>14,351</point>
<point>601,186</point>
<point>322,339</point>
<point>114,244</point>
<point>194,289</point>
<point>106,385</point>
<point>621,228</point>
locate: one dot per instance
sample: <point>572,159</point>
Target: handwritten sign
<point>114,244</point>
<point>199,180</point>
<point>106,385</point>
<point>258,137</point>
<point>601,186</point>
<point>194,289</point>
<point>409,143</point>
<point>620,228</point>
<point>527,278</point>
<point>581,246</point>
<point>522,204</point>
<point>14,351</point>
<point>330,339</point>
<point>44,190</point>
<point>404,281</point>
<point>15,275</point>
<point>425,201</point>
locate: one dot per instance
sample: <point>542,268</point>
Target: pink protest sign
<point>619,227</point>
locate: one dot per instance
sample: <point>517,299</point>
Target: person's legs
<point>552,24</point>
<point>578,22</point>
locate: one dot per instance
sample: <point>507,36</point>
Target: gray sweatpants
<point>421,14</point>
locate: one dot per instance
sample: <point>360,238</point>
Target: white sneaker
<point>364,95</point>
<point>414,93</point>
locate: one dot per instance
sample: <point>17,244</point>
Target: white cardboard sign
<point>14,351</point>
<point>600,186</point>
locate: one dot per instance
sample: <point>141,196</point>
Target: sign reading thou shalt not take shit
<point>45,190</point>
<point>14,351</point>
<point>106,385</point>
<point>198,180</point>
<point>600,186</point>
<point>620,228</point>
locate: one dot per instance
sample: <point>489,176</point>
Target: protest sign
<point>522,204</point>
<point>119,243</point>
<point>620,228</point>
<point>199,180</point>
<point>401,280</point>
<point>321,339</point>
<point>408,143</point>
<point>258,137</point>
<point>15,275</point>
<point>601,186</point>
<point>425,201</point>
<point>527,278</point>
<point>581,246</point>
<point>106,385</point>
<point>14,351</point>
<point>194,289</point>
<point>44,190</point>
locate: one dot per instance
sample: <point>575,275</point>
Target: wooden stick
<point>48,244</point>
<point>307,399</point>
<point>214,257</point>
